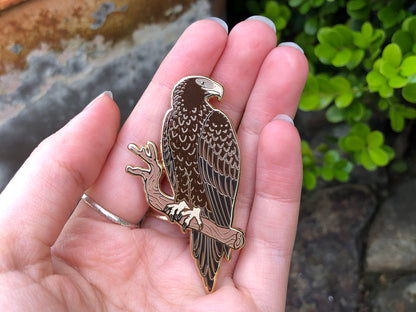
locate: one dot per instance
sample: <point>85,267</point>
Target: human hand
<point>52,260</point>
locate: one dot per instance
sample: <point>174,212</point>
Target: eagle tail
<point>208,253</point>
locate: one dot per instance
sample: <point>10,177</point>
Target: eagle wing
<point>219,167</point>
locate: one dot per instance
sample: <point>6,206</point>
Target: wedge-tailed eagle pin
<point>201,158</point>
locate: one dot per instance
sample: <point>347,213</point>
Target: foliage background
<point>362,62</point>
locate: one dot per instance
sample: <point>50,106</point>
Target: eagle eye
<point>202,82</point>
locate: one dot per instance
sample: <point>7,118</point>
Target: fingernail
<point>291,44</point>
<point>263,19</point>
<point>284,117</point>
<point>219,21</point>
<point>108,93</point>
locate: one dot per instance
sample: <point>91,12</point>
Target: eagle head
<point>197,86</point>
<point>211,87</point>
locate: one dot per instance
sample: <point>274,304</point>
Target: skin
<point>52,260</point>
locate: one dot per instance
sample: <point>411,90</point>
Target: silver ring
<point>90,202</point>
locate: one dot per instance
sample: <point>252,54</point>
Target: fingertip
<point>295,61</point>
<point>195,53</point>
<point>264,20</point>
<point>209,28</point>
<point>293,45</point>
<point>280,139</point>
<point>221,22</point>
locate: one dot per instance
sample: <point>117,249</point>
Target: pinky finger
<point>263,265</point>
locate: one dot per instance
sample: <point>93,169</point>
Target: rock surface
<point>392,238</point>
<point>399,296</point>
<point>327,254</point>
<point>56,85</point>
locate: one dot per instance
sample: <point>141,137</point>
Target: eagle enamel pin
<point>201,159</point>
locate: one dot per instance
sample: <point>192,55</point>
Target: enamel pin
<point>201,159</point>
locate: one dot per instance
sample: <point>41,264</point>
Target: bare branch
<point>158,200</point>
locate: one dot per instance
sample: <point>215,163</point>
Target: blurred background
<point>356,243</point>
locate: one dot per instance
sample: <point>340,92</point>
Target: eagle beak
<point>218,91</point>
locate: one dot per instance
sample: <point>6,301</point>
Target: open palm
<point>51,259</point>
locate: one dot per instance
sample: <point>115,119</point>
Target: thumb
<point>40,198</point>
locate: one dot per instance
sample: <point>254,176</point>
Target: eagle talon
<point>175,213</point>
<point>190,214</point>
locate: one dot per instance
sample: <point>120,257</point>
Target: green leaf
<point>317,3</point>
<point>392,54</point>
<point>345,33</point>
<point>342,57</point>
<point>280,23</point>
<point>334,114</point>
<point>397,82</point>
<point>353,143</point>
<point>367,29</point>
<point>375,139</point>
<point>356,58</point>
<point>285,12</point>
<point>388,69</point>
<point>409,92</point>
<point>306,150</point>
<point>358,9</point>
<point>331,157</point>
<point>399,166</point>
<point>340,84</point>
<point>409,113</point>
<point>375,79</point>
<point>327,173</point>
<point>365,159</point>
<point>378,156</point>
<point>330,36</point>
<point>312,84</point>
<point>385,91</point>
<point>272,10</point>
<point>309,180</point>
<point>356,111</point>
<point>341,175</point>
<point>311,26</point>
<point>409,24</point>
<point>389,151</point>
<point>383,104</point>
<point>404,40</point>
<point>325,52</point>
<point>295,3</point>
<point>361,41</point>
<point>325,101</point>
<point>344,100</point>
<point>356,4</point>
<point>304,8</point>
<point>391,14</point>
<point>396,120</point>
<point>309,101</point>
<point>326,85</point>
<point>361,130</point>
<point>408,66</point>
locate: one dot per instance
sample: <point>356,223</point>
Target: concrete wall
<point>56,56</point>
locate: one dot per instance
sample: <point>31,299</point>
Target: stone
<point>391,241</point>
<point>399,296</point>
<point>325,268</point>
<point>57,84</point>
<point>58,21</point>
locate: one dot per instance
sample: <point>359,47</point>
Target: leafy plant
<point>362,57</point>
